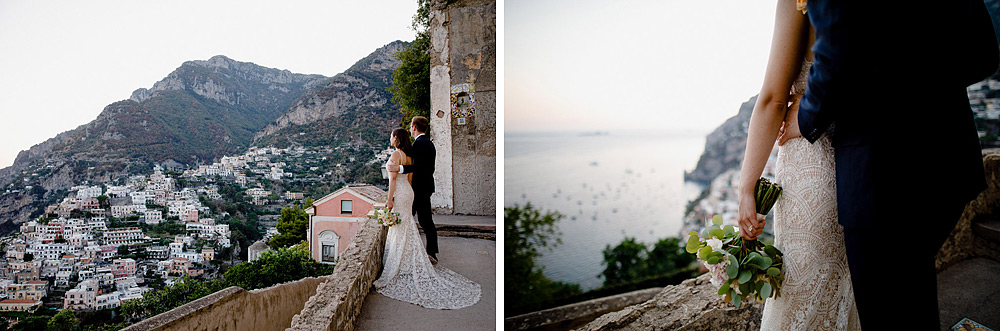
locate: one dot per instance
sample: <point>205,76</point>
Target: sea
<point>608,185</point>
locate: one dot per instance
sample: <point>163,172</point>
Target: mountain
<point>199,112</point>
<point>724,147</point>
<point>354,108</point>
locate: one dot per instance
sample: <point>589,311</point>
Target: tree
<point>64,320</point>
<point>103,201</point>
<point>411,82</point>
<point>32,323</point>
<point>291,226</point>
<point>668,255</point>
<point>631,261</point>
<point>123,251</point>
<point>170,297</point>
<point>625,262</point>
<point>275,267</point>
<point>527,233</point>
<point>28,257</point>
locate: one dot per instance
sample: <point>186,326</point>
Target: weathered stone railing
<point>317,303</point>
<point>338,301</point>
<point>964,243</point>
<point>577,314</point>
<point>234,308</point>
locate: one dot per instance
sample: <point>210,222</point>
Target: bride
<point>407,272</point>
<point>817,293</point>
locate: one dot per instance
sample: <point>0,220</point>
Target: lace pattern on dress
<point>817,292</point>
<point>799,86</point>
<point>407,273</point>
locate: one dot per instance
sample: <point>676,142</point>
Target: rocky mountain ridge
<point>199,112</point>
<point>355,103</point>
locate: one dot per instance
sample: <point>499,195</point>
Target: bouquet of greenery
<point>387,217</point>
<point>743,269</point>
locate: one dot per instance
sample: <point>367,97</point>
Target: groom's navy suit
<point>888,83</point>
<point>423,186</point>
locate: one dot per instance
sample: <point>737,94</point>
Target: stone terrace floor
<point>473,258</point>
<point>971,289</point>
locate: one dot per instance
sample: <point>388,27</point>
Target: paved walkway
<point>473,258</point>
<point>971,289</point>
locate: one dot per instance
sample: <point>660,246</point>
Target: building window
<point>346,206</point>
<point>329,253</point>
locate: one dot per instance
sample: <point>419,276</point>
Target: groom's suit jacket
<point>423,165</point>
<point>889,78</point>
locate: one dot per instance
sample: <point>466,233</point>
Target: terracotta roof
<point>370,191</point>
<point>19,301</point>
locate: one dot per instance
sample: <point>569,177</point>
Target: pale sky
<point>679,66</point>
<point>61,62</point>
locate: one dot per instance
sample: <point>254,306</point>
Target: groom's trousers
<point>422,208</point>
<point>893,267</point>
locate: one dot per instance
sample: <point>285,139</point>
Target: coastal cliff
<point>724,146</point>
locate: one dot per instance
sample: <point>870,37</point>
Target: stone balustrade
<point>234,308</point>
<point>338,301</point>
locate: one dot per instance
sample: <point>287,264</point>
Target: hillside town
<point>104,245</point>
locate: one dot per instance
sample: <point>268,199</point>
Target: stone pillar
<point>472,59</point>
<point>440,120</point>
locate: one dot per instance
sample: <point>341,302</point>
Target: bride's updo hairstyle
<point>403,140</point>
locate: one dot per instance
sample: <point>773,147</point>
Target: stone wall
<point>472,38</point>
<point>964,243</point>
<point>234,308</point>
<point>338,301</point>
<point>463,63</point>
<point>692,305</point>
<point>578,314</point>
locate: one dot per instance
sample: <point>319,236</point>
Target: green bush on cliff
<point>174,295</point>
<point>527,233</point>
<point>631,260</point>
<point>276,267</point>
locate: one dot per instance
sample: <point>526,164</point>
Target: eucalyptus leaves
<point>386,217</point>
<point>743,269</point>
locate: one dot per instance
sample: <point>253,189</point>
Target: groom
<point>907,152</point>
<point>423,180</point>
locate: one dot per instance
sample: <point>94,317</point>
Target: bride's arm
<point>788,46</point>
<point>393,160</point>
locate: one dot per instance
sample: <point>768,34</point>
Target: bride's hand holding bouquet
<point>744,269</point>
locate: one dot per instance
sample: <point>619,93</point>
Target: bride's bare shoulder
<point>404,158</point>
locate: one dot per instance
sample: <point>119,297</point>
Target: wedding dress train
<point>407,273</point>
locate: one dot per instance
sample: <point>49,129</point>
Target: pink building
<point>122,268</point>
<point>190,216</point>
<point>337,217</point>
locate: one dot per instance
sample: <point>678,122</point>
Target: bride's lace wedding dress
<point>407,273</point>
<point>816,293</point>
